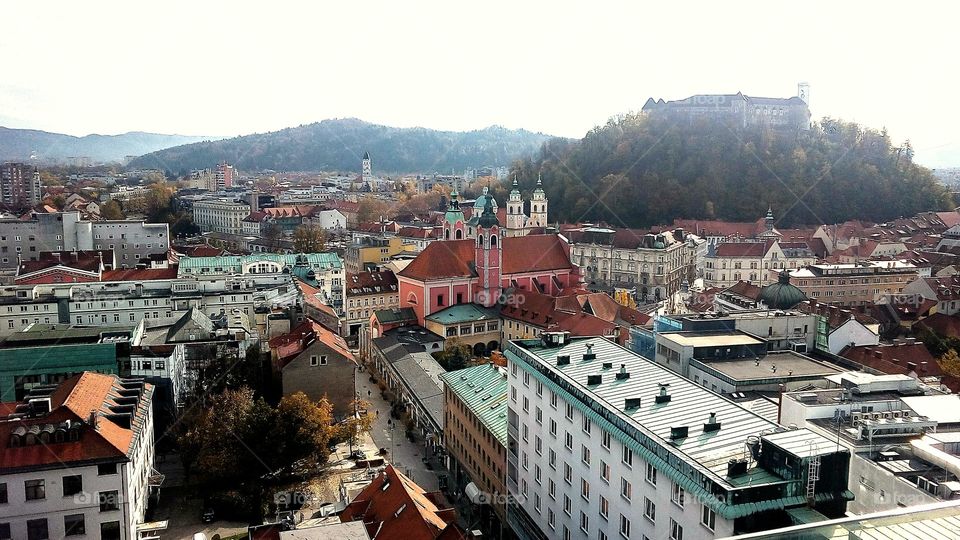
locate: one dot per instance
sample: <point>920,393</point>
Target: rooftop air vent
<point>631,403</point>
<point>663,396</point>
<point>607,365</point>
<point>712,424</point>
<point>623,373</point>
<point>678,432</point>
<point>736,467</point>
<point>563,360</point>
<point>594,379</point>
<point>589,355</point>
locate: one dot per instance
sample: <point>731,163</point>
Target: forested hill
<point>47,148</point>
<point>338,145</point>
<point>649,170</point>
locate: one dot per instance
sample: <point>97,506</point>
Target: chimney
<point>92,420</point>
<point>663,396</point>
<point>712,424</point>
<point>589,355</point>
<point>623,374</point>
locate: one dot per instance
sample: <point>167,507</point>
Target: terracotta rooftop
<point>72,405</point>
<point>742,249</point>
<point>393,507</point>
<point>140,274</point>
<point>455,258</point>
<point>364,283</point>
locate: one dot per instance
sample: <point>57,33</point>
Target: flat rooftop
<point>690,404</point>
<point>781,365</point>
<point>711,340</point>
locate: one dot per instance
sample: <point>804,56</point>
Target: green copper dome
<point>781,295</point>
<point>488,218</point>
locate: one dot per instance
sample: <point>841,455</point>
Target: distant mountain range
<point>339,144</point>
<point>49,148</point>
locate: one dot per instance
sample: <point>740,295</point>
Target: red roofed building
<point>393,507</point>
<point>65,267</point>
<point>460,271</point>
<point>78,459</point>
<point>529,313</point>
<point>903,357</point>
<point>316,361</point>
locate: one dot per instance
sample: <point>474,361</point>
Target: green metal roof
<point>463,313</point>
<point>235,263</point>
<point>483,389</point>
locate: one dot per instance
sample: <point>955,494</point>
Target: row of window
<point>73,525</point>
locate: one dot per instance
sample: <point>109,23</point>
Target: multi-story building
<point>220,215</point>
<point>851,285</point>
<point>655,264</point>
<point>77,459</point>
<point>371,252</point>
<point>475,435</point>
<point>365,293</point>
<point>903,436</point>
<point>602,443</point>
<point>132,241</point>
<point>223,176</point>
<point>756,262</point>
<point>19,185</point>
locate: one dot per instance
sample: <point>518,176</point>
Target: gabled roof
<point>742,249</point>
<point>896,358</point>
<point>455,258</point>
<point>86,261</point>
<point>72,404</point>
<point>193,322</point>
<point>393,507</point>
<point>364,283</point>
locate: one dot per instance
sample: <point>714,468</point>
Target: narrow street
<point>402,454</point>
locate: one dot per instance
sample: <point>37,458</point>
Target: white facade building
<point>603,443</point>
<point>220,215</point>
<point>52,494</point>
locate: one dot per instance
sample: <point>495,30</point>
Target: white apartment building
<point>53,493</point>
<point>131,240</point>
<point>604,444</point>
<point>220,215</point>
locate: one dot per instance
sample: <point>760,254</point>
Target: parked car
<point>208,515</point>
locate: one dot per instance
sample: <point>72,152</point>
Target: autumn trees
<point>238,437</point>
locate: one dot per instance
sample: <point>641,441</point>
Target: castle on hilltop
<point>744,111</point>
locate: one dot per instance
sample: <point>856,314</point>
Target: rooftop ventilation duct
<point>663,396</point>
<point>712,424</point>
<point>623,374</point>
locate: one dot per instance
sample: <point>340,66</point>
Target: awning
<point>473,493</point>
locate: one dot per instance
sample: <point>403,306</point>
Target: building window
<point>569,414</point>
<point>37,529</point>
<point>676,531</point>
<point>110,530</point>
<point>624,526</point>
<point>586,425</point>
<point>3,494</point>
<point>651,474</point>
<point>73,525</point>
<point>584,522</point>
<point>708,517</point>
<point>605,440</point>
<point>539,416</point>
<point>72,485</point>
<point>5,531</point>
<point>553,459</point>
<point>551,489</point>
<point>585,454</point>
<point>604,471</point>
<point>604,507</point>
<point>627,456</point>
<point>551,519</point>
<point>649,509</point>
<point>568,441</point>
<point>109,500</point>
<point>585,489</point>
<point>626,489</point>
<point>553,427</point>
<point>34,490</point>
<point>677,495</point>
<point>567,474</point>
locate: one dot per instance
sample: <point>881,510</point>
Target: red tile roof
<point>742,249</point>
<point>289,345</point>
<point>365,283</point>
<point>393,507</point>
<point>73,401</point>
<point>140,274</point>
<point>455,258</point>
<point>944,325</point>
<point>87,261</point>
<point>896,358</point>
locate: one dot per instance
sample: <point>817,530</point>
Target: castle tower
<point>488,257</point>
<point>453,221</point>
<point>367,171</point>
<point>515,215</point>
<point>538,206</point>
<point>803,92</point>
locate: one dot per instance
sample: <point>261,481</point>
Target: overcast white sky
<point>230,68</point>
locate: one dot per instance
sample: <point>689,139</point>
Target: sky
<point>232,68</point>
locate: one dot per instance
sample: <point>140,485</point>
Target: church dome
<point>781,295</point>
<point>481,201</point>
